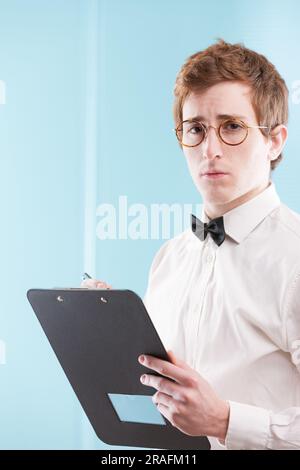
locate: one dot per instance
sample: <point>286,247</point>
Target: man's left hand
<point>187,400</point>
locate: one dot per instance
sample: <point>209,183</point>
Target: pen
<point>86,276</point>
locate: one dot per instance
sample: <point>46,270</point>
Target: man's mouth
<point>213,174</point>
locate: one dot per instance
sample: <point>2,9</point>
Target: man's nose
<point>212,146</point>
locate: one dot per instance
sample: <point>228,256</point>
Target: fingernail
<point>143,378</point>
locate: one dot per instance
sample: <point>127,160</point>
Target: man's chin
<point>216,196</point>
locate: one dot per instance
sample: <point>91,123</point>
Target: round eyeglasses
<point>230,131</point>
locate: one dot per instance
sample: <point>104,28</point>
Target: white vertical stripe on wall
<point>2,352</point>
<point>2,92</point>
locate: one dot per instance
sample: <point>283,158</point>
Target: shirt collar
<point>241,220</point>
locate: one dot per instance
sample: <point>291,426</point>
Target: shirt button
<point>209,258</point>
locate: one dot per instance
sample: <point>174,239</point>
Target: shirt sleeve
<point>252,427</point>
<point>159,256</point>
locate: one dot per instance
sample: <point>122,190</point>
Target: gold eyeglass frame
<point>218,129</point>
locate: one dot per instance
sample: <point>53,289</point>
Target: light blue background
<point>136,409</point>
<point>75,71</point>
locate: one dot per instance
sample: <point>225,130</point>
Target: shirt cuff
<point>248,427</point>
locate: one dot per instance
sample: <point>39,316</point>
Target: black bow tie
<point>215,227</point>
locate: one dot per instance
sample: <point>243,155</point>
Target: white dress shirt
<point>232,312</point>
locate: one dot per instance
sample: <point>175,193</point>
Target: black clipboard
<point>97,336</point>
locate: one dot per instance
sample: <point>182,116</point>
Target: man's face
<point>246,166</point>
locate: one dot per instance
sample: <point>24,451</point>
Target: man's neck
<point>217,210</point>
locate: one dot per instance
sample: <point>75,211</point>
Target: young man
<point>224,295</point>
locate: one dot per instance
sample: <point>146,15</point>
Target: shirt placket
<point>201,282</point>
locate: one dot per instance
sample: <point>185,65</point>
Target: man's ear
<point>277,139</point>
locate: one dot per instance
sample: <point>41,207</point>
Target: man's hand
<point>189,403</point>
<point>95,284</point>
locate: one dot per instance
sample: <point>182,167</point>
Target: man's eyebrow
<point>219,117</point>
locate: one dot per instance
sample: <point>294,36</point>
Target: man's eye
<point>195,130</point>
<point>232,126</point>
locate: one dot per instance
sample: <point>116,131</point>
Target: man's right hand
<point>95,284</point>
